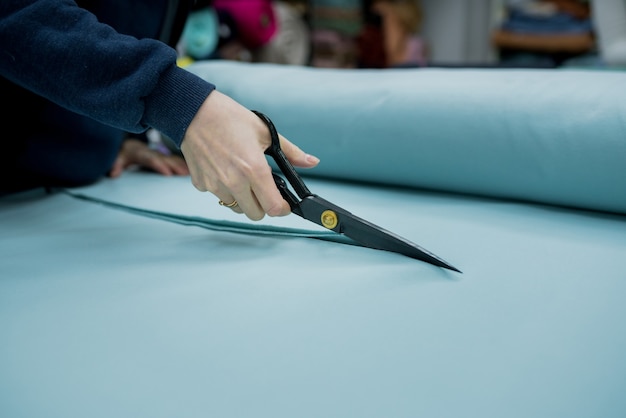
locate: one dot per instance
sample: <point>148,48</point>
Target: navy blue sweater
<point>110,60</point>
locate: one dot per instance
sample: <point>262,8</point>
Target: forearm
<point>60,51</point>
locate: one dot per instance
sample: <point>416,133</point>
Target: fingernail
<point>312,159</point>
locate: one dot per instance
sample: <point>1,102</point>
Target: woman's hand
<point>224,147</point>
<point>137,153</point>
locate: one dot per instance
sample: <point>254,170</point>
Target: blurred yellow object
<point>184,61</point>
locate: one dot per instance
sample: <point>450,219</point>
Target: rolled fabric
<point>549,136</point>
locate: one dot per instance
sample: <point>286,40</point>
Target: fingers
<point>178,165</point>
<point>232,205</point>
<point>224,147</point>
<point>256,195</point>
<point>167,165</point>
<point>296,156</point>
<point>262,196</point>
<point>268,196</point>
<point>118,166</point>
<point>137,153</point>
<point>156,163</point>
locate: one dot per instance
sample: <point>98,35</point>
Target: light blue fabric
<point>133,298</point>
<point>547,136</point>
<point>107,313</point>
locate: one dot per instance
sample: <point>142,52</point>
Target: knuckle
<point>257,216</point>
<point>197,185</point>
<point>276,210</point>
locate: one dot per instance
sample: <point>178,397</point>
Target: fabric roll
<point>548,136</point>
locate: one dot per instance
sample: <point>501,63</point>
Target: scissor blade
<point>364,232</point>
<point>373,236</point>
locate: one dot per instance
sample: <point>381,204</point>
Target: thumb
<point>296,156</point>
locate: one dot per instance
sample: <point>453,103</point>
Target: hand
<point>224,147</point>
<point>137,153</point>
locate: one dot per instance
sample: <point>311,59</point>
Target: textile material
<point>102,306</point>
<point>134,298</point>
<point>549,136</point>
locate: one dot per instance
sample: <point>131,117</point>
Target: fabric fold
<point>218,225</point>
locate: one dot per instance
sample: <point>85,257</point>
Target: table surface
<point>107,312</point>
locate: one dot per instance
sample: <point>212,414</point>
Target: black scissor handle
<point>294,202</point>
<point>283,163</point>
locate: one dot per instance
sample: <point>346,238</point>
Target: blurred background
<point>410,33</point>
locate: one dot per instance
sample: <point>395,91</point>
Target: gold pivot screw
<point>329,219</point>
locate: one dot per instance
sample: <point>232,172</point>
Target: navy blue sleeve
<point>61,51</point>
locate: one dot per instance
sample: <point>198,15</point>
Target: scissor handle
<point>294,202</point>
<point>283,163</point>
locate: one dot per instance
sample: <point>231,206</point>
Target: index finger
<point>265,190</point>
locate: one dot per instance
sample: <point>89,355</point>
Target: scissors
<point>320,211</point>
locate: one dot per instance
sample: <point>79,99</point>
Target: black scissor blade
<point>313,208</point>
<point>373,236</point>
